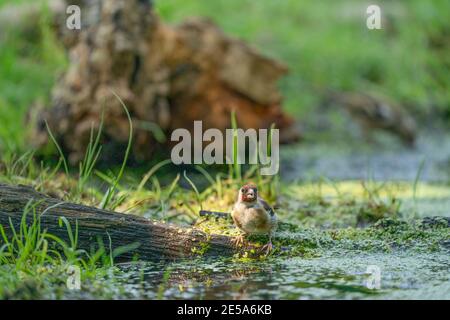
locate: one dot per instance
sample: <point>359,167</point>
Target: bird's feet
<point>267,248</point>
<point>238,241</point>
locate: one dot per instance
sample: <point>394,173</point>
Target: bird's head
<point>248,193</point>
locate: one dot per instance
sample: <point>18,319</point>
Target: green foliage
<point>62,158</point>
<point>90,158</point>
<point>327,44</point>
<point>29,67</point>
<point>32,254</point>
<point>235,167</point>
<point>197,193</point>
<point>115,181</point>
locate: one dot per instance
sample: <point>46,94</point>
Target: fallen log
<point>147,240</point>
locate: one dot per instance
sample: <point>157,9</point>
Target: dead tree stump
<point>167,76</point>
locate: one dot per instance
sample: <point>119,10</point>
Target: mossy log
<point>147,240</point>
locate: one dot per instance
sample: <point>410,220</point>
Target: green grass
<point>114,182</point>
<point>34,264</point>
<point>326,43</point>
<point>28,69</point>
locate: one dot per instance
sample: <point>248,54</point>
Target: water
<point>403,275</point>
<point>388,162</point>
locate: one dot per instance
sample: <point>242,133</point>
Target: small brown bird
<point>253,215</point>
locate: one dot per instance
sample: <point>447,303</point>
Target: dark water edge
<point>337,275</point>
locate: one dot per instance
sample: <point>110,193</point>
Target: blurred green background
<point>324,43</point>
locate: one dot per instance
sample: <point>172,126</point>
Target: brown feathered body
<point>253,215</point>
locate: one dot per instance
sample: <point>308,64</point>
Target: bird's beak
<point>250,195</point>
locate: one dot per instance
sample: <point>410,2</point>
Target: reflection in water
<point>403,276</point>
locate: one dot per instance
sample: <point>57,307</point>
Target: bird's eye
<point>243,189</point>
